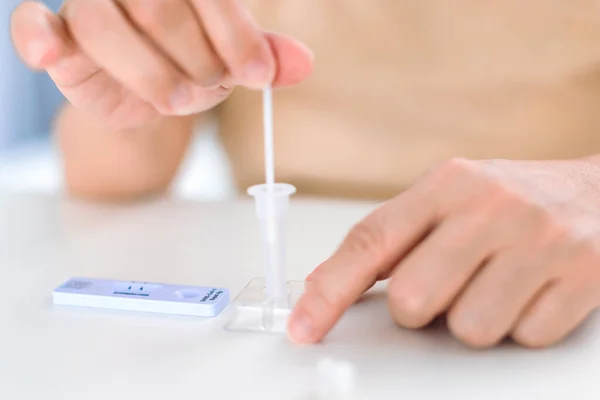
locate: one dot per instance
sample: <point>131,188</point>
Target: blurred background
<point>29,160</point>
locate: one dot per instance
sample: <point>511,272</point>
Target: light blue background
<point>28,100</point>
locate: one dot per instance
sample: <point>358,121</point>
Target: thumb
<point>293,59</point>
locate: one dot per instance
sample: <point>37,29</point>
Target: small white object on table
<point>62,353</point>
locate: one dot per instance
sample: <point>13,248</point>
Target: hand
<point>504,248</point>
<point>129,61</point>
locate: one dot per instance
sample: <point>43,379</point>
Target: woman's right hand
<point>127,62</point>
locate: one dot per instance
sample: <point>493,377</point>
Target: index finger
<point>238,41</point>
<point>371,250</point>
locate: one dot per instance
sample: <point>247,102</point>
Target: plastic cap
<point>337,375</point>
<point>282,193</point>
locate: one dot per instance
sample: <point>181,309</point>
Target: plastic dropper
<point>272,201</point>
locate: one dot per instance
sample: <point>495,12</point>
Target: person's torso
<point>400,85</point>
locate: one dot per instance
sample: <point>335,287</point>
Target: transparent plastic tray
<point>252,310</point>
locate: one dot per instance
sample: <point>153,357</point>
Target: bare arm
<point>105,164</point>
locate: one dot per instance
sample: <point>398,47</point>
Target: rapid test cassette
<point>198,301</point>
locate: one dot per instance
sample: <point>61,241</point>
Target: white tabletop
<point>55,353</point>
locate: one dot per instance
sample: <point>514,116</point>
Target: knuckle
<point>531,215</point>
<point>587,251</point>
<point>368,239</point>
<point>157,82</point>
<point>153,16</point>
<point>587,258</point>
<point>556,234</point>
<point>82,17</point>
<point>320,285</point>
<point>502,198</point>
<point>541,217</point>
<point>544,224</point>
<point>210,72</point>
<point>250,60</point>
<point>478,219</point>
<point>253,47</point>
<point>449,172</point>
<point>503,195</point>
<point>456,165</point>
<point>328,296</point>
<point>321,302</point>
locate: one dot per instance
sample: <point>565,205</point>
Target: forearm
<point>104,164</point>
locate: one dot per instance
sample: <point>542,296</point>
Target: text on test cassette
<point>198,301</point>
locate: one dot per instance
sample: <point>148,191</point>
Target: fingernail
<point>181,97</point>
<point>257,72</point>
<point>214,80</point>
<point>300,329</point>
<point>36,51</point>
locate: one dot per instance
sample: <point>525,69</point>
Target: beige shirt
<point>400,85</point>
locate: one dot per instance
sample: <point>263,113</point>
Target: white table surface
<point>54,353</point>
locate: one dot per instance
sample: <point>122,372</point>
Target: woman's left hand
<point>506,248</point>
